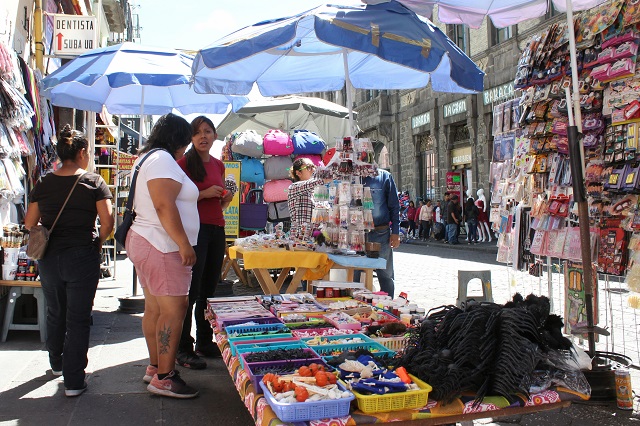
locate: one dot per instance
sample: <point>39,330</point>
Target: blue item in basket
<point>309,410</point>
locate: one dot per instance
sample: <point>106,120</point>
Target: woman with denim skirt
<point>70,268</point>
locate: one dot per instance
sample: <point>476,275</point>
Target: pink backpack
<point>277,142</point>
<point>276,190</point>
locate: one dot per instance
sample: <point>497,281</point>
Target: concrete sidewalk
<point>31,395</point>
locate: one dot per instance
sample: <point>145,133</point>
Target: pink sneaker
<point>148,375</point>
<point>172,386</point>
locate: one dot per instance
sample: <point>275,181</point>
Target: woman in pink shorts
<point>160,246</point>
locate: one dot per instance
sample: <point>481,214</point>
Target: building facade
<point>427,134</point>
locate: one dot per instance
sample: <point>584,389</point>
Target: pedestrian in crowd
<point>386,219</point>
<point>300,196</point>
<point>417,218</point>
<point>471,217</point>
<point>437,213</point>
<point>208,174</point>
<point>411,217</point>
<point>426,218</point>
<point>445,214</point>
<point>70,268</point>
<point>453,219</point>
<point>160,246</point>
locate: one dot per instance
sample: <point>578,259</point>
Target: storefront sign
<point>232,212</point>
<point>461,156</point>
<point>73,34</point>
<point>454,108</point>
<point>454,182</point>
<point>420,120</point>
<point>499,93</point>
<point>125,161</point>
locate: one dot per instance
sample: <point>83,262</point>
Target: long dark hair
<point>70,143</point>
<point>171,132</point>
<point>194,162</point>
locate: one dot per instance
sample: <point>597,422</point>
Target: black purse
<point>129,214</point>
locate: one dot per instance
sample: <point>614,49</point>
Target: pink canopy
<point>503,13</point>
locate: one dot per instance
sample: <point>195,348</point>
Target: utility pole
<point>37,35</point>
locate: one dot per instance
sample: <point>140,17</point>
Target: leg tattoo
<point>163,337</point>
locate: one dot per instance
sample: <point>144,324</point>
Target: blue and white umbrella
<point>130,78</point>
<point>385,46</point>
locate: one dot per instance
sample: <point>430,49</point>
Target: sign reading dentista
<point>73,35</point>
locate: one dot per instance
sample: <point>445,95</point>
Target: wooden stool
<point>17,289</point>
<point>463,281</point>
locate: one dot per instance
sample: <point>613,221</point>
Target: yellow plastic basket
<point>394,343</point>
<point>394,401</point>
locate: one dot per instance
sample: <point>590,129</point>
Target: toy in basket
<point>381,390</point>
<point>341,320</point>
<point>310,394</point>
<point>257,370</point>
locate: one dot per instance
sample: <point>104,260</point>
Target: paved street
<point>116,395</point>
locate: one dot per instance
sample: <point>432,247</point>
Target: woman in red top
<point>207,173</point>
<point>411,217</point>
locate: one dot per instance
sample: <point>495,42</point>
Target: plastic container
<point>329,339</point>
<point>284,339</point>
<point>330,351</point>
<point>396,344</point>
<point>395,401</point>
<point>243,351</point>
<point>305,411</point>
<point>222,324</point>
<point>294,364</point>
<point>249,329</point>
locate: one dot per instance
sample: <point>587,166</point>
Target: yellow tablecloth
<point>278,259</point>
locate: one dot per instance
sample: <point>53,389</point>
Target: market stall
<point>250,330</point>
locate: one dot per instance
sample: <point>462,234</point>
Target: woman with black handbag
<point>67,202</point>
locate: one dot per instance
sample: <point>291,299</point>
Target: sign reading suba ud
<point>73,35</point>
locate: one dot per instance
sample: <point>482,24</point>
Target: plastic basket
<point>312,332</point>
<point>279,338</point>
<point>330,339</point>
<point>330,351</point>
<point>250,329</point>
<point>394,401</point>
<point>394,343</point>
<point>305,411</point>
<point>242,350</point>
<point>260,320</point>
<point>294,364</point>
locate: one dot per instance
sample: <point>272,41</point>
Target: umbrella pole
<point>135,277</point>
<point>347,84</point>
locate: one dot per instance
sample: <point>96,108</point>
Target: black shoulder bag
<point>129,214</point>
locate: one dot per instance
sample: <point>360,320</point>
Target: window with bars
<point>430,181</point>
<point>458,34</point>
<point>501,35</point>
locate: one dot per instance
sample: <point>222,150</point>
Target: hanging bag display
<point>277,167</point>
<point>129,214</point>
<point>276,190</point>
<point>315,159</point>
<point>306,142</point>
<point>278,212</point>
<point>251,170</point>
<point>248,143</point>
<point>253,212</point>
<point>277,142</point>
<point>39,234</point>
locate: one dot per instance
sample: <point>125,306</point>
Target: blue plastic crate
<point>249,329</point>
<point>311,410</point>
<point>366,339</point>
<point>258,339</point>
<point>327,351</point>
<point>267,346</point>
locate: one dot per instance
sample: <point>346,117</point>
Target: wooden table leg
<point>282,276</point>
<point>350,272</point>
<point>295,281</point>
<point>368,279</point>
<point>266,282</point>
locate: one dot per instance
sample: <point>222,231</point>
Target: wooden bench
<point>17,289</point>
